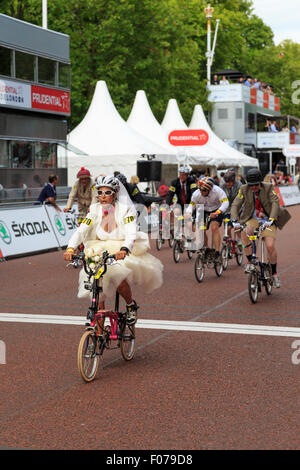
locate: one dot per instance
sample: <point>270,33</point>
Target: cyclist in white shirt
<point>215,204</point>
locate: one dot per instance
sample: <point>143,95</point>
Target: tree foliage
<point>159,46</point>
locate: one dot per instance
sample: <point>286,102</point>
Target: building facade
<point>244,115</point>
<point>34,104</point>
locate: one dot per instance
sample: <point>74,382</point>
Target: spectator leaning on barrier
<point>48,193</point>
<point>83,191</point>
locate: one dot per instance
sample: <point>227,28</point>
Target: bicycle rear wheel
<point>268,279</point>
<point>224,256</point>
<point>239,254</point>
<point>199,268</point>
<point>88,356</point>
<point>253,286</point>
<point>127,343</point>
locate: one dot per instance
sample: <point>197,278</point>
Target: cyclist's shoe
<point>131,313</point>
<point>247,268</point>
<point>276,281</point>
<point>218,257</point>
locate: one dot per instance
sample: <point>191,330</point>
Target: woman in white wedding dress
<point>111,225</point>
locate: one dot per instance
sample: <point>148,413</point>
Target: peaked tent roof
<point>225,154</point>
<point>109,142</point>
<point>174,121</point>
<point>103,132</point>
<point>142,120</point>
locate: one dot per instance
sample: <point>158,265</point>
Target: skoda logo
<point>5,233</point>
<point>60,225</point>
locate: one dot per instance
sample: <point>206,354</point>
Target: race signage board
<point>290,195</point>
<point>188,137</point>
<point>26,96</point>
<point>24,231</point>
<point>63,224</point>
<point>272,139</point>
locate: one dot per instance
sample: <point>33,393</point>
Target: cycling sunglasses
<point>107,192</point>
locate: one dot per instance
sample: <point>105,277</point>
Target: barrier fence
<point>41,228</point>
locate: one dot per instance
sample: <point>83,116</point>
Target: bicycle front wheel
<point>199,268</point>
<point>88,356</point>
<point>158,244</point>
<point>171,240</point>
<point>253,287</point>
<point>127,343</point>
<point>176,251</point>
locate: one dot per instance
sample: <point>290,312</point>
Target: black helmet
<point>229,176</point>
<point>253,177</point>
<point>122,178</point>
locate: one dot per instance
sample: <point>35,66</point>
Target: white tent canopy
<point>225,156</point>
<point>143,121</point>
<point>109,142</point>
<point>196,155</point>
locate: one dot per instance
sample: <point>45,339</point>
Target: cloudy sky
<point>283,16</point>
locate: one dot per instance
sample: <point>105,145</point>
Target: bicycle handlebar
<point>102,263</point>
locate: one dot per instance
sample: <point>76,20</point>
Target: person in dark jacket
<point>183,187</point>
<point>135,194</point>
<point>48,193</point>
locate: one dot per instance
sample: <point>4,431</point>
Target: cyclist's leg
<point>131,307</point>
<point>216,235</point>
<point>272,254</point>
<point>248,231</point>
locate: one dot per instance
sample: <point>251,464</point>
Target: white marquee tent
<point>225,155</point>
<point>174,121</point>
<point>143,121</point>
<point>204,155</point>
<point>109,142</point>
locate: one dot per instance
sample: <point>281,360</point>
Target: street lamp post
<point>210,52</point>
<point>45,25</point>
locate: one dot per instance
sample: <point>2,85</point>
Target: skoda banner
<point>24,231</point>
<point>63,224</point>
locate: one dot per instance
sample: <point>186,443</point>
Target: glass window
<point>4,154</point>
<point>223,113</point>
<point>64,75</point>
<point>24,66</point>
<point>5,60</point>
<point>250,124</point>
<point>22,154</point>
<point>46,71</point>
<point>45,155</point>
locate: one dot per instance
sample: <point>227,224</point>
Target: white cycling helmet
<point>108,182</point>
<point>184,169</point>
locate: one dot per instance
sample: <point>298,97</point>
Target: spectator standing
<point>48,193</point>
<point>273,127</point>
<point>224,81</point>
<point>215,80</point>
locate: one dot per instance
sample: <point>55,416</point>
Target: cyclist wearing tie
<point>183,187</point>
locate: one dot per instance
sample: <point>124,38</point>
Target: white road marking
<point>231,328</point>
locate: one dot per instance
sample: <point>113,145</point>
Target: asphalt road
<point>191,390</point>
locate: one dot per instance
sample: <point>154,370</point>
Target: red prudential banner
<point>50,99</point>
<point>188,137</point>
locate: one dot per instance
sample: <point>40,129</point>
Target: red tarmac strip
<point>183,390</point>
